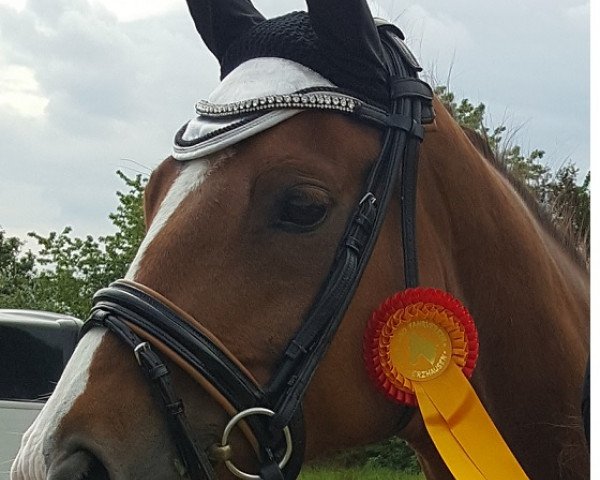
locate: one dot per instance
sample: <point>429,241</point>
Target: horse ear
<point>347,26</point>
<point>220,22</point>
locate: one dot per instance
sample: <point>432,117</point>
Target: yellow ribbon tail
<point>420,348</point>
<point>462,431</point>
<point>452,453</point>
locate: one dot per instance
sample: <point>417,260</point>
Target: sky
<point>88,87</point>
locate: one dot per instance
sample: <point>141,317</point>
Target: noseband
<point>141,318</point>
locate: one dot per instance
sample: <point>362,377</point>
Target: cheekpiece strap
<point>196,464</point>
<point>397,37</point>
<point>406,123</point>
<point>410,87</point>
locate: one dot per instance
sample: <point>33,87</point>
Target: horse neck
<point>528,295</point>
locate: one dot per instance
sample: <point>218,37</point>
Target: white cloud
<point>131,10</point>
<point>435,37</point>
<point>45,209</point>
<point>20,92</point>
<point>17,5</point>
<point>111,92</point>
<point>579,13</point>
<point>84,86</point>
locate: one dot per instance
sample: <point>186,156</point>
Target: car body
<point>34,350</point>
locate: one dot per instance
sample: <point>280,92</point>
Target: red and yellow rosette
<point>420,348</point>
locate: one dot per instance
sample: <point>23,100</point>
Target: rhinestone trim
<point>308,100</point>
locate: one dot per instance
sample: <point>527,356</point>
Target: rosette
<point>414,335</point>
<point>420,348</point>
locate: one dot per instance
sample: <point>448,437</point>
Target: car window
<point>33,354</point>
<point>30,367</point>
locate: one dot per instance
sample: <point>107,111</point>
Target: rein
<point>140,318</point>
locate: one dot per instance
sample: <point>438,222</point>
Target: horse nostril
<point>80,465</point>
<point>97,471</point>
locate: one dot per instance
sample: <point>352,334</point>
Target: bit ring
<point>232,423</point>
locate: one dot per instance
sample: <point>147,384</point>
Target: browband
<point>327,99</point>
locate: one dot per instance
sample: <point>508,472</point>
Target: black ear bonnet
<point>337,39</point>
<point>328,58</point>
<point>293,37</point>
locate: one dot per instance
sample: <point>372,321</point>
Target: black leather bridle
<point>132,312</point>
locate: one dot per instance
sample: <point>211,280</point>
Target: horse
<point>241,235</point>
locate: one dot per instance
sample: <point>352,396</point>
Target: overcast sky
<point>87,88</point>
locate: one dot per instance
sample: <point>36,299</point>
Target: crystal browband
<point>314,99</point>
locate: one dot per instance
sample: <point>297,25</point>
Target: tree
<point>568,202</point>
<point>571,203</point>
<point>16,273</point>
<point>68,270</point>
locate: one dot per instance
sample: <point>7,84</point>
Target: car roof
<point>19,315</point>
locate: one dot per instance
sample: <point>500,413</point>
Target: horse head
<point>274,230</point>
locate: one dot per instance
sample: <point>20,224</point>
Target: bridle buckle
<point>369,197</point>
<point>140,349</point>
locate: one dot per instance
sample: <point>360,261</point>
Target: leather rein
<point>272,414</point>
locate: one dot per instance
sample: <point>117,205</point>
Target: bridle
<point>141,318</point>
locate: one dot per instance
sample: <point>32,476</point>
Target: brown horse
<point>218,248</point>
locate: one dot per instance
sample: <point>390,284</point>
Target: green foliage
<point>571,203</point>
<point>393,454</point>
<point>16,273</point>
<point>67,271</point>
<point>362,473</point>
<point>122,246</point>
<point>568,202</point>
<point>465,113</point>
<point>527,168</point>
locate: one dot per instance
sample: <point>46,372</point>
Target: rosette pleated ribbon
<point>420,348</point>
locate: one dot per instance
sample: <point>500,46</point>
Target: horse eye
<point>303,209</point>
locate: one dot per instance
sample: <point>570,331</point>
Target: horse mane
<point>558,230</point>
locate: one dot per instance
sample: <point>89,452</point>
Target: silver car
<point>34,349</point>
